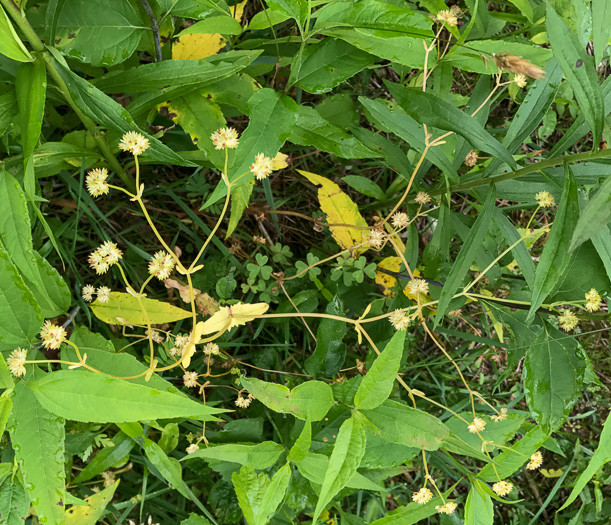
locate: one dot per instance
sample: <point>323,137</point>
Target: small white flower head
<point>447,17</point>
<point>258,239</point>
<point>16,362</point>
<point>568,320</point>
<point>190,379</point>
<point>211,349</point>
<point>225,138</point>
<point>423,198</point>
<point>104,257</point>
<point>477,425</point>
<point>400,219</point>
<point>155,336</point>
<point>399,320</point>
<point>134,142</point>
<point>161,265</point>
<point>103,294</point>
<point>376,238</point>
<point>180,343</point>
<point>447,508</point>
<point>545,199</point>
<point>593,300</point>
<point>87,292</point>
<point>520,80</point>
<point>502,488</point>
<point>262,166</point>
<point>471,158</point>
<point>52,335</point>
<point>418,286</point>
<point>96,182</point>
<point>192,448</point>
<point>243,402</point>
<point>501,416</point>
<point>423,496</point>
<point>536,460</point>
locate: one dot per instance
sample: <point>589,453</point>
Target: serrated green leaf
<point>345,459</point>
<point>14,502</point>
<point>553,375</point>
<point>379,380</point>
<point>365,186</point>
<point>398,423</point>
<point>37,437</point>
<point>123,308</point>
<point>579,70</point>
<point>479,509</point>
<point>89,397</point>
<point>555,257</point>
<point>467,253</point>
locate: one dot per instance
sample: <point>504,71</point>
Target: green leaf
<point>601,21</point>
<point>301,447</point>
<point>192,74</point>
<point>31,89</point>
<point>579,70</point>
<point>595,216</point>
<point>101,356</point>
<point>431,110</point>
<point>555,257</point>
<point>20,314</point>
<point>601,456</point>
<point>85,396</point>
<point>602,243</point>
<point>102,36</point>
<point>329,63</point>
<point>314,467</point>
<point>10,44</point>
<point>467,253</point>
<point>308,401</point>
<point>479,509</point>
<point>107,457</point>
<point>168,467</point>
<point>260,456</point>
<point>377,384</point>
<point>553,374</point>
<point>6,407</point>
<point>392,119</point>
<point>194,519</point>
<point>6,378</point>
<point>14,502</point>
<point>365,186</point>
<point>92,513</point>
<point>510,460</point>
<point>258,496</point>
<point>345,459</point>
<point>49,289</point>
<point>37,437</point>
<point>398,423</point>
<point>296,9</point>
<point>223,25</point>
<point>313,130</point>
<point>105,111</point>
<point>330,352</point>
<point>136,310</point>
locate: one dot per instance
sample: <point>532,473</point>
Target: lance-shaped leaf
<point>85,396</point>
<point>124,308</point>
<point>594,217</point>
<point>260,456</point>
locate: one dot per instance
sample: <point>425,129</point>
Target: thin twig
<point>155,28</point>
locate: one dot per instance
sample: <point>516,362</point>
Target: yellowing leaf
<point>123,308</point>
<point>229,316</point>
<point>81,515</point>
<point>340,209</point>
<point>196,46</point>
<point>551,473</point>
<point>280,161</point>
<point>387,282</point>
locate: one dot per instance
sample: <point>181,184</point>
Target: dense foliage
<point>305,261</point>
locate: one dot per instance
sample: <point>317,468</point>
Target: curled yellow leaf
<point>235,315</point>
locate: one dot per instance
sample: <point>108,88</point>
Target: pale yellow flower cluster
<point>520,80</point>
<point>399,320</point>
<point>180,343</point>
<point>477,425</point>
<point>190,379</point>
<point>161,265</point>
<point>446,508</point>
<point>52,335</point>
<point>376,238</point>
<point>423,496</point>
<point>16,362</point>
<point>447,17</point>
<point>96,182</point>
<point>502,488</point>
<point>593,301</point>
<point>418,286</point>
<point>545,199</point>
<point>225,138</point>
<point>243,402</point>
<point>536,460</point>
<point>423,198</point>
<point>134,142</point>
<point>501,416</point>
<point>211,349</point>
<point>400,220</point>
<point>262,166</point>
<point>568,320</point>
<point>104,257</point>
<point>192,448</point>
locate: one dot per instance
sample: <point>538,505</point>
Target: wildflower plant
<point>300,282</point>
